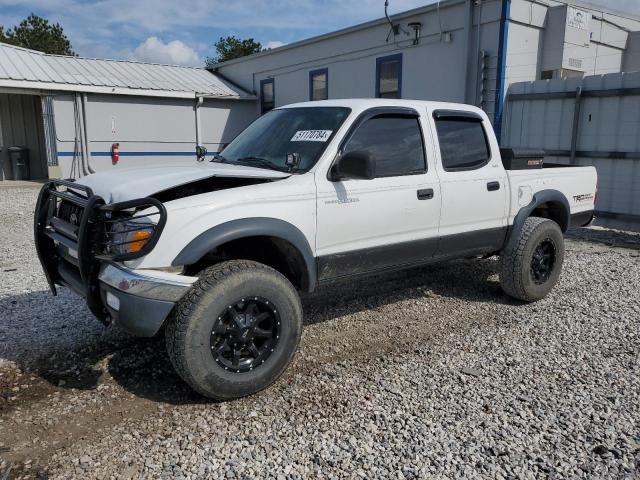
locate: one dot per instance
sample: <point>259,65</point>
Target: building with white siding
<point>455,50</point>
<point>70,111</point>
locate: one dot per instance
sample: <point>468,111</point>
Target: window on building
<point>394,142</point>
<point>463,144</point>
<point>319,84</point>
<point>389,76</point>
<point>267,95</point>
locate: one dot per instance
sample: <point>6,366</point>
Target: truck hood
<point>138,182</point>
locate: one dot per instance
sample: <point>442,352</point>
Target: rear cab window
<point>463,141</point>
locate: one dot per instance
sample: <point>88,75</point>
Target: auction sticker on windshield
<point>311,136</point>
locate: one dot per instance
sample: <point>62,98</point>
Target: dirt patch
<point>73,399</point>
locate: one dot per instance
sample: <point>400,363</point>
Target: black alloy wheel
<point>531,262</point>
<point>245,334</point>
<point>543,261</point>
<point>236,330</point>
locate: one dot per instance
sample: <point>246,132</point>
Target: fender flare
<point>543,196</point>
<point>249,227</point>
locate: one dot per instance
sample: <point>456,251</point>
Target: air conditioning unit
<point>567,41</point>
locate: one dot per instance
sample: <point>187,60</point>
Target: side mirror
<point>356,165</point>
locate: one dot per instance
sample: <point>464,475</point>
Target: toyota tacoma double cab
<point>215,253</point>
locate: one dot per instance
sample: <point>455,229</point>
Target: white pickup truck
<point>308,194</point>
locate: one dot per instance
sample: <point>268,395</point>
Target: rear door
<point>391,220</point>
<point>473,182</point>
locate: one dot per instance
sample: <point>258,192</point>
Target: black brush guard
<point>90,235</point>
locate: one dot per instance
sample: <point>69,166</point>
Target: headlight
<point>131,236</point>
<point>129,229</point>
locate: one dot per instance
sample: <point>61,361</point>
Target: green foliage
<point>37,33</point>
<point>232,47</point>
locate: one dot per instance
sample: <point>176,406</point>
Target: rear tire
<point>236,330</point>
<point>532,266</point>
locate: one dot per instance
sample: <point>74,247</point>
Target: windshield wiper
<point>259,162</point>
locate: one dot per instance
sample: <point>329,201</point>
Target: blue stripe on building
<point>136,154</point>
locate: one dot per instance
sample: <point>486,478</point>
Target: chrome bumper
<point>139,301</point>
<point>150,284</point>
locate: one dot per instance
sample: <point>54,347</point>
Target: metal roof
<point>27,69</point>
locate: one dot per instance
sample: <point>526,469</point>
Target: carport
<point>74,116</point>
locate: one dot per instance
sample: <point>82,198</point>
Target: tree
<point>37,33</point>
<point>233,47</point>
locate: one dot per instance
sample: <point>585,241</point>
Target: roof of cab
<point>361,104</point>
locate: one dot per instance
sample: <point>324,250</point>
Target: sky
<point>183,31</point>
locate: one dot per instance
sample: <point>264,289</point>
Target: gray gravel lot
<point>430,373</point>
<point>33,322</point>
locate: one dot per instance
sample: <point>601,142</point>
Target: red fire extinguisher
<point>115,153</point>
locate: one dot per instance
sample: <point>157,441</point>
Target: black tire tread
<point>176,327</point>
<point>511,260</point>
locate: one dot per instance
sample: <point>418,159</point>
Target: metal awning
<point>25,69</point>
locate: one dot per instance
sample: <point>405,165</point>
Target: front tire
<point>236,331</point>
<point>531,267</point>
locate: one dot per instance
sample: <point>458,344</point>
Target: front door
<point>386,222</point>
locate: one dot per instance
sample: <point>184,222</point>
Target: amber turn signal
<point>139,239</point>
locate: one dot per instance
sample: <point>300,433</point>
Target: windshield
<point>300,134</point>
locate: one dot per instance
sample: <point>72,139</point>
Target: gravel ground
<point>33,323</point>
<point>430,373</point>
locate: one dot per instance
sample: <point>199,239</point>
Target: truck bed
<point>578,184</point>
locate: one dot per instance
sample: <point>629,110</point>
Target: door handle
<point>493,186</point>
<point>425,194</point>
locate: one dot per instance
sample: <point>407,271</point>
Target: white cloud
<point>274,44</point>
<point>154,50</point>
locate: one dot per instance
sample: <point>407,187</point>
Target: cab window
<point>463,144</point>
